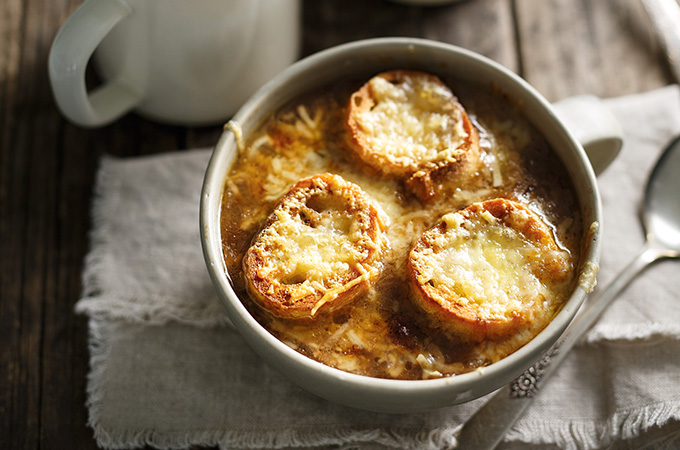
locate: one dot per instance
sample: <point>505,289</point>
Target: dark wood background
<point>47,165</point>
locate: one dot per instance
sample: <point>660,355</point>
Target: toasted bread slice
<point>320,248</point>
<point>487,271</point>
<point>409,125</point>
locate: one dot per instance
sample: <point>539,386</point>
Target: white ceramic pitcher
<point>186,62</point>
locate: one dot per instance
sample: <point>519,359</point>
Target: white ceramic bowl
<point>365,58</point>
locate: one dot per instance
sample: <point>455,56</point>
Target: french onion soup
<point>402,226</point>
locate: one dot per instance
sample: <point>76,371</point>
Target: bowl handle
<point>594,126</point>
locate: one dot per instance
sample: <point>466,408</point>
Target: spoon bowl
<point>661,215</point>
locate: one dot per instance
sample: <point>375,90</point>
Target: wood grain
<point>571,47</point>
<point>486,27</point>
<point>48,166</point>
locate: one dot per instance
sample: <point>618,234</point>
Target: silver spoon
<point>661,220</point>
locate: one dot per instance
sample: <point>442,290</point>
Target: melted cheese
<point>298,251</point>
<point>485,265</point>
<point>588,278</point>
<point>413,122</point>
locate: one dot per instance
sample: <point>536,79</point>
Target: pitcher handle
<point>71,50</point>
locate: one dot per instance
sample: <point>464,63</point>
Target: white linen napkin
<point>168,370</point>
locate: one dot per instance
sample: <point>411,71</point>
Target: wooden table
<point>48,166</point>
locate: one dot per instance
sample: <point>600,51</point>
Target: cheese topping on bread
<point>413,121</point>
<point>409,124</point>
<point>321,246</point>
<point>487,270</point>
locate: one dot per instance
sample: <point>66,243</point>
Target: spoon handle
<point>486,428</point>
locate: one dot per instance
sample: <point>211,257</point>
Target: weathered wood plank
<point>331,22</point>
<point>491,33</point>
<point>573,47</point>
<point>65,355</point>
<point>628,47</point>
<point>20,331</point>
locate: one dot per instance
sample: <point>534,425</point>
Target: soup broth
<point>382,334</point>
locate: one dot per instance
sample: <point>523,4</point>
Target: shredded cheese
<point>413,122</point>
<point>485,264</point>
<point>235,128</point>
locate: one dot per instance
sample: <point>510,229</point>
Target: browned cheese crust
<point>320,248</point>
<point>487,271</point>
<point>409,125</point>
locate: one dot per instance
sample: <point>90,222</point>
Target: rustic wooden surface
<point>47,165</point>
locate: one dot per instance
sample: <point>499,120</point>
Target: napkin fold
<point>168,370</point>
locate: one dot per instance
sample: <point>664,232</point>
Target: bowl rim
<point>251,329</point>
